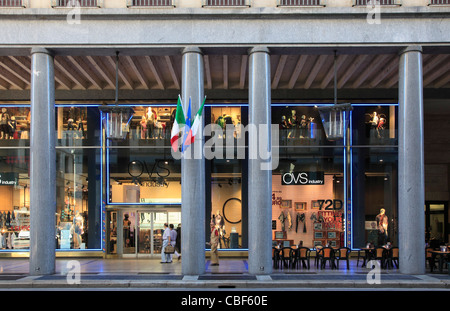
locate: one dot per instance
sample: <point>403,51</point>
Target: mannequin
<point>303,126</point>
<point>382,226</point>
<point>12,127</point>
<point>150,122</point>
<point>143,127</point>
<point>4,123</point>
<point>294,125</point>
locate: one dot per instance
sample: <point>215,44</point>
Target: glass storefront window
<point>78,126</point>
<point>143,176</point>
<point>308,198</point>
<point>78,197</point>
<point>15,125</point>
<point>300,125</point>
<point>374,125</point>
<point>149,126</point>
<point>375,172</point>
<point>226,201</point>
<point>15,199</point>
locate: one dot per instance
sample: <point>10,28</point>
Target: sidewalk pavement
<point>150,274</point>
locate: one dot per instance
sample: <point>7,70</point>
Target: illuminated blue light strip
<point>351,179</point>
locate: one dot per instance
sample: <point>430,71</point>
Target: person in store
<point>382,226</point>
<point>165,258</point>
<point>126,230</point>
<point>214,241</point>
<point>173,241</point>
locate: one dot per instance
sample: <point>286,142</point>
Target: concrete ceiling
<point>222,72</point>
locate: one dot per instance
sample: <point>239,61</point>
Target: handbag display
<point>169,249</point>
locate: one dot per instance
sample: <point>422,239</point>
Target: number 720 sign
<point>330,205</point>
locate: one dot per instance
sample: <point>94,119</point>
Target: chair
<point>326,254</point>
<point>360,256</point>
<point>302,256</point>
<point>380,254</point>
<point>429,258</point>
<point>392,257</point>
<point>276,257</point>
<point>317,258</point>
<point>343,253</point>
<point>287,256</point>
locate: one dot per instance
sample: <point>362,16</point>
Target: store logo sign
<point>302,178</point>
<point>8,179</point>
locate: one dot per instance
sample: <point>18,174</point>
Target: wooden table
<point>441,259</point>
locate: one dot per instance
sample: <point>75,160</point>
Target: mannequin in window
<point>150,122</point>
<point>382,226</point>
<point>4,123</point>
<point>303,126</point>
<point>12,128</point>
<point>80,128</point>
<point>143,127</point>
<point>294,123</point>
<point>126,230</point>
<point>219,223</point>
<point>374,124</point>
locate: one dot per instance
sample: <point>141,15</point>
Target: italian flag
<point>198,121</point>
<point>178,125</point>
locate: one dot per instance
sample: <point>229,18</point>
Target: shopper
<point>214,244</point>
<point>173,240</point>
<point>165,258</point>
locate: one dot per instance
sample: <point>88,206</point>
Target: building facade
<point>259,63</point>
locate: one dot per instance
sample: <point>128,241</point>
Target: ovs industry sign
<point>302,178</point>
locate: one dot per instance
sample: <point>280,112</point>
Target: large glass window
<point>15,199</point>
<point>308,198</point>
<point>14,125</point>
<point>78,125</point>
<point>300,125</point>
<point>226,201</point>
<point>149,126</point>
<point>146,175</point>
<point>78,197</point>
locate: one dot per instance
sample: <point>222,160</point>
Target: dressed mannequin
<point>143,127</point>
<point>303,126</point>
<point>4,123</point>
<point>293,122</point>
<point>150,122</point>
<point>382,226</point>
<point>12,127</point>
<point>374,124</point>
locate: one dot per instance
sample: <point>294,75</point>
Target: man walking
<point>165,258</point>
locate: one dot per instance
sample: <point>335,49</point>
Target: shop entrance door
<point>436,219</point>
<point>138,232</point>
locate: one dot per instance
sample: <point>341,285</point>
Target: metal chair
<point>343,253</point>
<point>326,254</point>
<point>287,257</point>
<point>302,256</point>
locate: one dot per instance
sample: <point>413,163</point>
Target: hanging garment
<point>282,219</point>
<point>289,219</point>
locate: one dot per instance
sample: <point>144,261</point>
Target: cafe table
<point>441,256</point>
<point>368,252</point>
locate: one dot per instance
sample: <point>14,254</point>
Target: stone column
<point>411,184</point>
<point>42,164</point>
<point>193,170</point>
<point>259,172</point>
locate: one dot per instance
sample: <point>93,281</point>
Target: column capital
<point>411,48</point>
<point>41,50</point>
<point>192,49</point>
<point>259,49</point>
